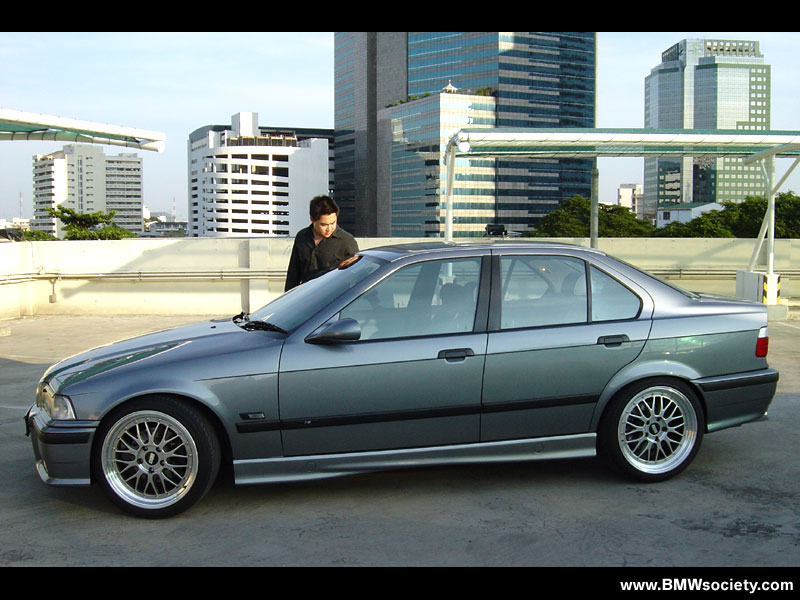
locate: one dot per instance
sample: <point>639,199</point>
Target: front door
<point>412,380</point>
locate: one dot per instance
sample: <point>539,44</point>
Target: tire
<point>652,430</point>
<point>155,457</point>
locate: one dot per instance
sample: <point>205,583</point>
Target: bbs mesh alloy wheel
<point>156,457</point>
<point>653,430</point>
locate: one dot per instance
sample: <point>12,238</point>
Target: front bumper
<point>739,398</point>
<point>62,449</point>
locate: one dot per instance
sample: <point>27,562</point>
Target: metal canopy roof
<point>754,146</point>
<point>592,143</point>
<point>16,126</point>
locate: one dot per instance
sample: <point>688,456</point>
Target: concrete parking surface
<point>736,505</point>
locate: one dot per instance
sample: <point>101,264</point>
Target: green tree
<point>113,232</point>
<point>572,219</point>
<point>38,236</point>
<point>787,215</point>
<point>744,218</point>
<point>89,226</point>
<point>736,219</point>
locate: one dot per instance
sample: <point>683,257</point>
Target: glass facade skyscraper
<point>411,172</point>
<point>369,73</point>
<point>705,84</point>
<point>533,79</point>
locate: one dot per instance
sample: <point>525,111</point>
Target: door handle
<point>613,340</point>
<point>455,354</point>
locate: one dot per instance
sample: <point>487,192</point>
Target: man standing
<point>321,246</point>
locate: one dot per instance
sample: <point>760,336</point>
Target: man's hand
<point>348,261</point>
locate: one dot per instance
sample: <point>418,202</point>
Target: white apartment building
<point>246,180</point>
<point>629,195</point>
<point>683,213</point>
<point>83,178</point>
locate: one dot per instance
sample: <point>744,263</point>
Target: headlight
<point>62,408</point>
<point>55,405</point>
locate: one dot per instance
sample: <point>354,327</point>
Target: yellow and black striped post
<point>766,296</point>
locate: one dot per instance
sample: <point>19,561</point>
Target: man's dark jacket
<point>311,260</point>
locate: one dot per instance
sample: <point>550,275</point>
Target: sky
<point>178,82</point>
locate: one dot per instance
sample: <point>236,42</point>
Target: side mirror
<point>343,330</point>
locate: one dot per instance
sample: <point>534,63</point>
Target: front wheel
<point>652,431</point>
<point>156,457</point>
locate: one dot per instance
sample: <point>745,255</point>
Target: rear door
<point>559,329</point>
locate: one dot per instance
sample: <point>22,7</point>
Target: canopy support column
<point>450,159</point>
<point>594,216</point>
<point>768,224</point>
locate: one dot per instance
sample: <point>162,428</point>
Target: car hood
<point>208,349</point>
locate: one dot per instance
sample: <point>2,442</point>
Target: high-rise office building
<point>534,79</point>
<point>705,84</point>
<point>247,180</point>
<point>83,178</point>
<point>369,73</point>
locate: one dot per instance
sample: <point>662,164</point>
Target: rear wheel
<point>156,457</point>
<point>652,431</point>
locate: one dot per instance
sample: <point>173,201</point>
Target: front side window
<point>542,290</point>
<point>429,298</point>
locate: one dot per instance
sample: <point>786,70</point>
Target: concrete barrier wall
<point>223,276</point>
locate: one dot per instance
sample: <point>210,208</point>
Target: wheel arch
<point>654,372</point>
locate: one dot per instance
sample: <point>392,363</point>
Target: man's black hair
<point>322,205</point>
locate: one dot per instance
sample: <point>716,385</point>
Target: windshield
<point>304,301</point>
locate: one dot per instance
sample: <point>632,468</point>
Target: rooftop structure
<point>751,146</point>
<point>16,125</point>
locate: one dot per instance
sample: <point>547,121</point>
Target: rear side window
<point>542,290</point>
<point>611,300</point>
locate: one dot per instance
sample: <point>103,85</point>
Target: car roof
<point>399,250</point>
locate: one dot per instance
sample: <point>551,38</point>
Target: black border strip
<point>716,384</point>
<point>410,415</point>
<point>543,403</point>
<point>63,437</point>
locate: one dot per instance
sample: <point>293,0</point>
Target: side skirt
<point>297,468</point>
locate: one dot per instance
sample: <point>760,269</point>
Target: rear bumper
<point>61,449</point>
<point>738,398</point>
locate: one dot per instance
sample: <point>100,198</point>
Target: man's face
<point>325,225</point>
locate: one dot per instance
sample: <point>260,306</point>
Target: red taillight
<point>762,343</point>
